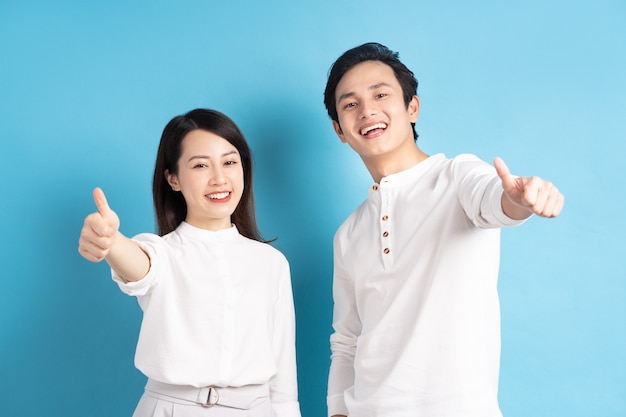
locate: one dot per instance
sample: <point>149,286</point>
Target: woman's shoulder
<point>147,237</point>
<point>265,249</point>
<point>161,244</point>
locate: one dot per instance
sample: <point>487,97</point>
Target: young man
<point>416,316</point>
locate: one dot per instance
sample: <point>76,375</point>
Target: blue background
<point>87,87</point>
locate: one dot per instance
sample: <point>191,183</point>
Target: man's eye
<point>381,95</point>
<point>349,105</point>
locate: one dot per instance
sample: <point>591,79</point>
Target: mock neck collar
<point>409,174</point>
<point>208,235</point>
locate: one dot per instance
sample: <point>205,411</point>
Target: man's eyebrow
<point>371,87</point>
<point>233,152</point>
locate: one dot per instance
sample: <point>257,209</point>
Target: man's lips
<point>373,129</point>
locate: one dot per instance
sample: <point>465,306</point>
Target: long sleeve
<point>347,327</point>
<point>284,384</point>
<point>480,192</point>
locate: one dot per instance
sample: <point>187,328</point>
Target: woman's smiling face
<point>210,177</point>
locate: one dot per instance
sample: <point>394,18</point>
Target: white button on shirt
<point>416,318</point>
<point>218,310</point>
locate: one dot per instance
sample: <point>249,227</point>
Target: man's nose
<point>368,108</point>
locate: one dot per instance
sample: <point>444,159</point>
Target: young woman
<point>218,331</point>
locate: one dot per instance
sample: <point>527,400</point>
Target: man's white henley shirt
<point>416,317</point>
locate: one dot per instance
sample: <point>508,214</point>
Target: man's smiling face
<point>373,117</point>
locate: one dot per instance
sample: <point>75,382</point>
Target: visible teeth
<point>368,129</point>
<point>218,196</point>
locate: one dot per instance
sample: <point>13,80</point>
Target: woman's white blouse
<point>218,310</point>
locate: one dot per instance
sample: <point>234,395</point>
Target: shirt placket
<point>387,251</point>
<point>228,333</point>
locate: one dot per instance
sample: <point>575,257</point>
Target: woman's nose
<point>217,176</point>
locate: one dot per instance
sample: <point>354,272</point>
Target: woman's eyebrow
<point>234,152</point>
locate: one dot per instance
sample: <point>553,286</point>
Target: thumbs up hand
<point>99,230</point>
<point>524,196</point>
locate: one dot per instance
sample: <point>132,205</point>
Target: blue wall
<point>87,87</point>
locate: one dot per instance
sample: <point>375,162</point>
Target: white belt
<point>235,397</point>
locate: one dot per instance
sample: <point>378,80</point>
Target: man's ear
<point>414,109</point>
<point>338,131</point>
<point>172,180</point>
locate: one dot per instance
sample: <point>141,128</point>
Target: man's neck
<point>385,165</point>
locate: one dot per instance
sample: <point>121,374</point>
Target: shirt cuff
<point>336,405</point>
<point>141,287</point>
<point>492,208</point>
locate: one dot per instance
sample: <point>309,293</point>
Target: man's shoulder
<point>461,158</point>
<point>459,166</point>
<point>352,220</point>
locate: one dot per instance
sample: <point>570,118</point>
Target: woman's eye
<point>200,166</point>
<point>230,162</point>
